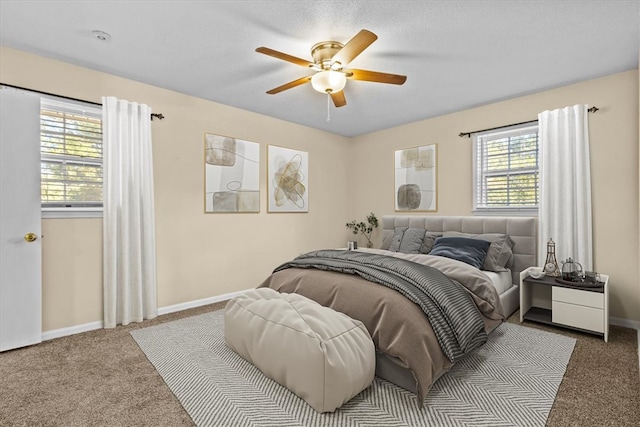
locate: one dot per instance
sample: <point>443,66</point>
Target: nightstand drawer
<point>578,316</point>
<point>577,297</point>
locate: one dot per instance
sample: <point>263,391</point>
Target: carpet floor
<point>512,380</point>
<point>102,378</point>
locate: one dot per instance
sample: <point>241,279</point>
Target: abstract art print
<point>232,174</point>
<point>287,180</point>
<point>415,178</point>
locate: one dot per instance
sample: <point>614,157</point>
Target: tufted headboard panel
<point>523,231</point>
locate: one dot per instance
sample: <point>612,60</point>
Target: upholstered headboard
<point>523,231</point>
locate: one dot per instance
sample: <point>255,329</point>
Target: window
<point>71,157</point>
<point>506,170</point>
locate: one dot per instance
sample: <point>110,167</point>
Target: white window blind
<point>506,170</point>
<point>71,155</point>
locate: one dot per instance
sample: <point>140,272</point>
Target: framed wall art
<point>232,175</point>
<point>287,180</point>
<point>416,172</point>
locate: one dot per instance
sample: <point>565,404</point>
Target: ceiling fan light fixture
<point>328,81</point>
<point>330,61</point>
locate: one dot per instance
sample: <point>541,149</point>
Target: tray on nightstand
<point>555,281</point>
<point>580,284</point>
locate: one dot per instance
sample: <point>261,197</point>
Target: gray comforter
<point>399,327</point>
<point>452,313</point>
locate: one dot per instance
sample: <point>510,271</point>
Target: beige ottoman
<point>321,355</point>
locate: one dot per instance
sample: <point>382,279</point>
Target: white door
<point>20,220</point>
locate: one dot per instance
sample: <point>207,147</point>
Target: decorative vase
<point>369,245</point>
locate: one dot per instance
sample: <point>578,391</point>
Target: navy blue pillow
<point>470,251</point>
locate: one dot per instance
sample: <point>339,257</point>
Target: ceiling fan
<point>329,61</point>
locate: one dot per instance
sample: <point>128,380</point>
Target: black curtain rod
<point>463,134</point>
<point>158,116</point>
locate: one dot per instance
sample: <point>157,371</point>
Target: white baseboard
<point>626,323</point>
<point>198,303</point>
<point>71,330</point>
<point>86,327</point>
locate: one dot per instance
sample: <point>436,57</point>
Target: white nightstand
<point>582,308</point>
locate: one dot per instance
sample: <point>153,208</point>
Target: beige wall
<point>202,255</point>
<point>614,156</point>
<point>199,255</point>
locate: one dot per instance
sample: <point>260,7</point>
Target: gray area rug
<point>510,381</point>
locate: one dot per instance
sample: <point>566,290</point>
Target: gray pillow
<point>398,232</point>
<point>499,253</point>
<point>412,240</point>
<point>387,236</point>
<point>428,241</point>
<point>407,240</point>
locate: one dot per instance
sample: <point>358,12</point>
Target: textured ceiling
<point>455,54</point>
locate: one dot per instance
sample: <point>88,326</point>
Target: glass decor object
<point>571,270</point>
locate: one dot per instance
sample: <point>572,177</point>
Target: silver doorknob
<point>30,237</point>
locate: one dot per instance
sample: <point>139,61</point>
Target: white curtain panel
<point>129,220</point>
<point>565,185</point>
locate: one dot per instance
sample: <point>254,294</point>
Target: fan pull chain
<point>328,107</point>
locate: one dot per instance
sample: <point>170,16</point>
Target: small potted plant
<point>364,229</point>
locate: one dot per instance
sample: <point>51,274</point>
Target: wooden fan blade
<point>285,57</point>
<point>298,82</point>
<point>354,47</point>
<point>338,99</point>
<point>374,76</point>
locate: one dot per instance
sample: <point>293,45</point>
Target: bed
<point>414,344</point>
